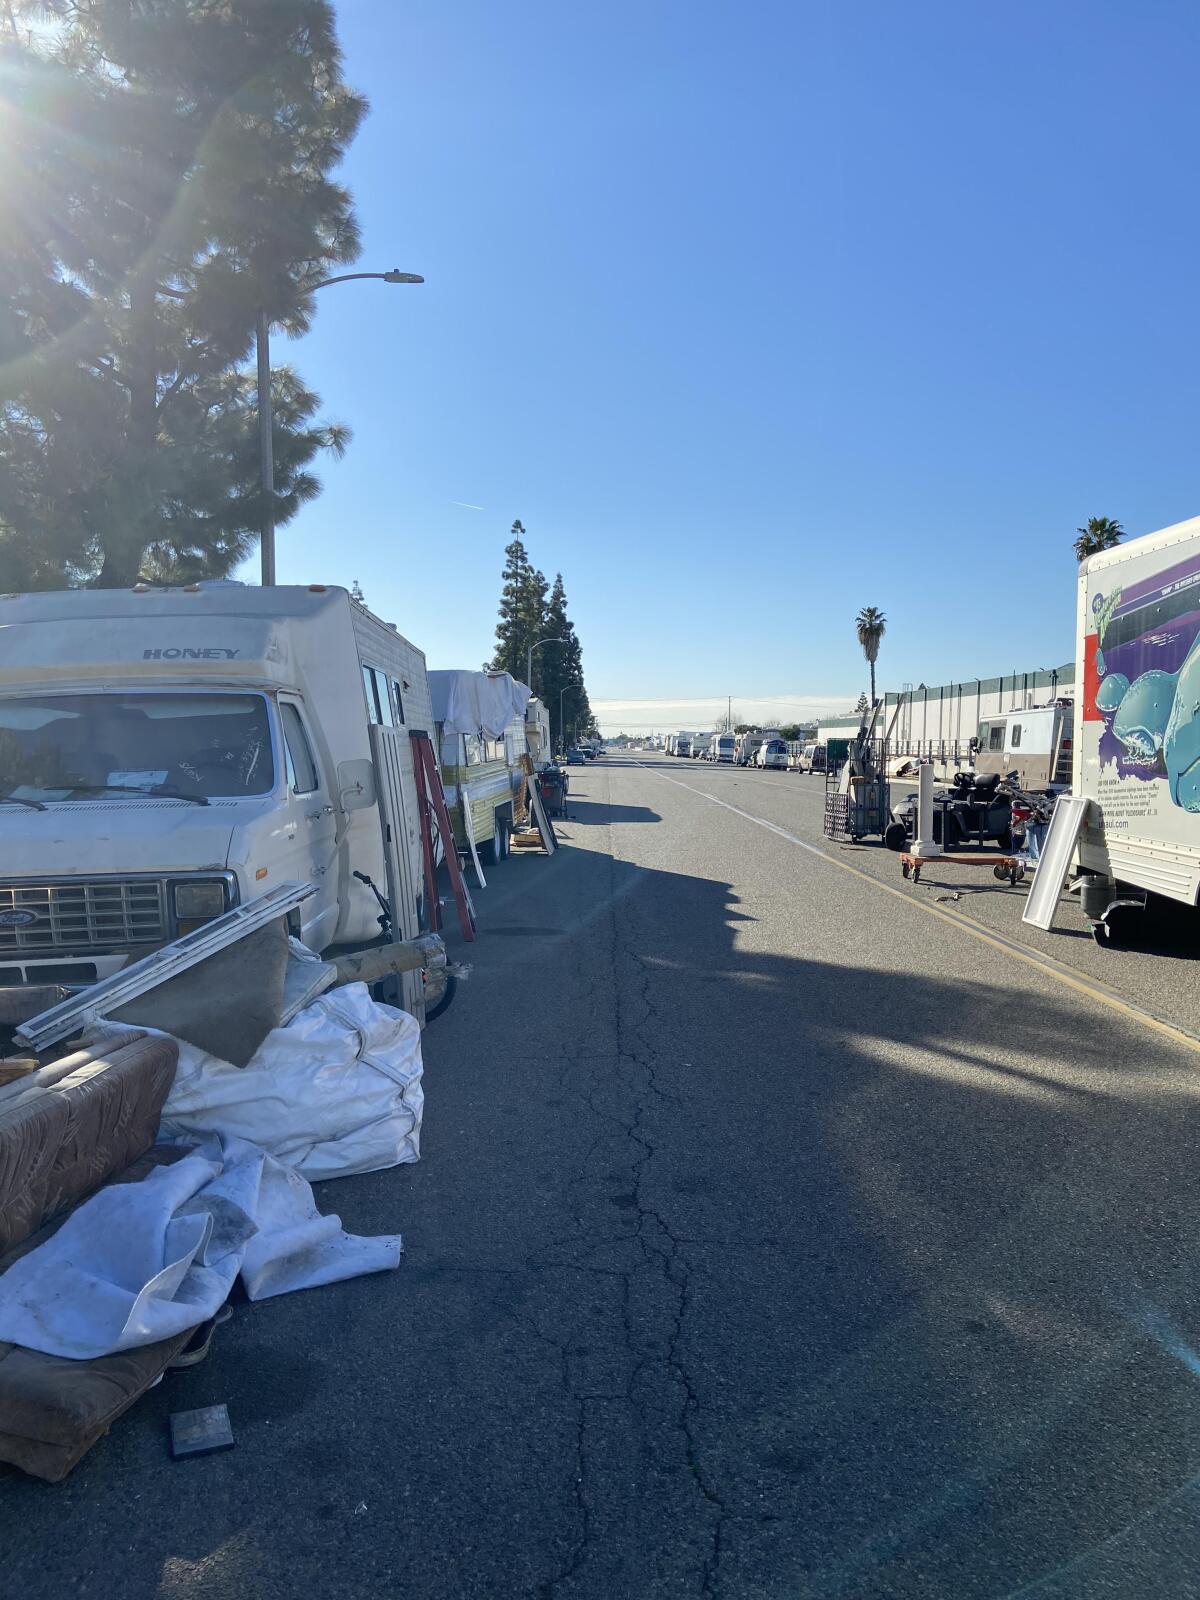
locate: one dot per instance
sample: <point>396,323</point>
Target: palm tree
<point>870,625</point>
<point>1101,533</point>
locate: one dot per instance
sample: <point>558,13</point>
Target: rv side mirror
<point>356,784</point>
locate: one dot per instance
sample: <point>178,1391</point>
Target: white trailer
<point>166,754</point>
<point>1034,747</point>
<point>1137,738</point>
<point>722,747</point>
<point>480,723</point>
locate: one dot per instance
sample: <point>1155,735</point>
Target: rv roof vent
<point>317,588</point>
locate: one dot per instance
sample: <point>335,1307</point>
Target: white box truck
<point>1137,723</point>
<point>168,753</point>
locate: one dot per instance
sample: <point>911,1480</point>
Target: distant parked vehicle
<point>772,753</point>
<point>576,758</point>
<point>722,748</point>
<point>812,758</point>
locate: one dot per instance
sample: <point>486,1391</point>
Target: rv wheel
<point>895,836</point>
<point>498,848</point>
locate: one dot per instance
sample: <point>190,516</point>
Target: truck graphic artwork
<point>1142,678</point>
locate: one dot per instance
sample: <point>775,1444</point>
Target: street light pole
<point>529,649</point>
<point>266,449</point>
<point>266,453</point>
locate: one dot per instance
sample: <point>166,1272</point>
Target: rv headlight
<point>199,902</point>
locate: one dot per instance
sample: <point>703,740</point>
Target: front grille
<point>103,914</point>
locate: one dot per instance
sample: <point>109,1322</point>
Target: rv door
<point>392,752</point>
<point>309,833</point>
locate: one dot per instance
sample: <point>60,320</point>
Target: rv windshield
<point>201,744</point>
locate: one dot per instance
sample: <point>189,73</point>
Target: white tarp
<point>482,703</point>
<point>337,1091</point>
<point>139,1262</point>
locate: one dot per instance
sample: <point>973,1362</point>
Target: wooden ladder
<point>431,800</point>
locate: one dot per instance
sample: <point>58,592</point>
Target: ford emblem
<point>17,919</point>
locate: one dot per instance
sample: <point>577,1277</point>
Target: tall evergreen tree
<point>563,670</point>
<point>167,171</point>
<point>522,619</point>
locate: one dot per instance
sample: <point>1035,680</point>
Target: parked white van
<point>168,753</point>
<point>772,753</point>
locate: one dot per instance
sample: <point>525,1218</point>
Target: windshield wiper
<point>20,800</point>
<point>157,792</point>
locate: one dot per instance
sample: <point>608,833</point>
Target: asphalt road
<point>772,1238</point>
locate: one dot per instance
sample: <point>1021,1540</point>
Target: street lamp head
<point>396,276</point>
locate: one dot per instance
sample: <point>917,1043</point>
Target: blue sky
<point>755,314</point>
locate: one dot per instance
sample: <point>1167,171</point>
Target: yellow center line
<point>1091,988</point>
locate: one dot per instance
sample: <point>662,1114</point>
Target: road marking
<point>1089,987</point>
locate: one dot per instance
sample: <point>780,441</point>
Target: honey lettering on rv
<point>186,653</point>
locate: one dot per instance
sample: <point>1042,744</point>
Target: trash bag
<point>337,1091</point>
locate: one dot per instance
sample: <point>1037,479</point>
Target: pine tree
<point>562,671</point>
<point>167,172</point>
<point>522,611</point>
<point>510,629</point>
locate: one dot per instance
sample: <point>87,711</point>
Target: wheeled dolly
<point>1010,867</point>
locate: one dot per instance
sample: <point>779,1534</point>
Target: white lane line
<point>1091,988</point>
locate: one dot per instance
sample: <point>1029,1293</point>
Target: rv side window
<point>996,737</point>
<point>1016,736</point>
<point>301,768</point>
<point>397,704</point>
<point>474,744</point>
<point>373,712</point>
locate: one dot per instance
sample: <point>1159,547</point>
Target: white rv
<point>722,747</point>
<point>1137,734</point>
<point>1034,748</point>
<point>168,753</point>
<point>480,725</point>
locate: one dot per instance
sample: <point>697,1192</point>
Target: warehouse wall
<point>949,714</point>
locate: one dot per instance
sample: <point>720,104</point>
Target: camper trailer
<point>537,732</point>
<point>1032,748</point>
<point>169,753</point>
<point>1137,744</point>
<point>479,723</point>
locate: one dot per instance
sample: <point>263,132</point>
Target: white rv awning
<point>477,702</point>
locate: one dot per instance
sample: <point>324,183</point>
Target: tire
<point>496,849</point>
<point>895,836</point>
<point>1004,840</point>
<point>447,995</point>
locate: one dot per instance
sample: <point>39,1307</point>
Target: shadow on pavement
<point>727,1272</point>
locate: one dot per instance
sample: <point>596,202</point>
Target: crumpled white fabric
<point>338,1091</point>
<point>477,702</point>
<point>139,1262</point>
